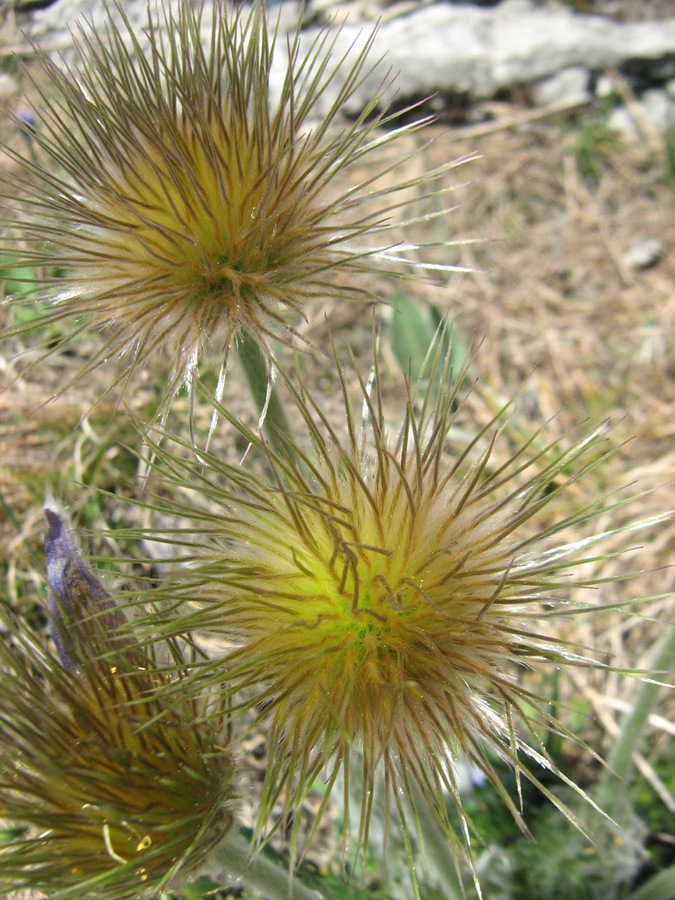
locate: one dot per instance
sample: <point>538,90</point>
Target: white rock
<point>605,86</point>
<point>643,255</point>
<point>449,47</point>
<point>286,14</point>
<point>621,121</point>
<point>654,108</point>
<point>566,87</point>
<point>8,85</point>
<point>659,109</point>
<point>461,48</point>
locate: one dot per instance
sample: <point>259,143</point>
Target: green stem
<point>660,887</point>
<point>437,853</point>
<point>256,371</point>
<point>260,874</point>
<point>620,758</point>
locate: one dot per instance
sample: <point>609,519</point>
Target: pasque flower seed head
<point>383,596</point>
<point>182,203</point>
<point>115,792</point>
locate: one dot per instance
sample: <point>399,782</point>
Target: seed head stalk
<point>620,759</point>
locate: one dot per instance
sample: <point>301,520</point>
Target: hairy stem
<point>257,372</point>
<point>268,878</point>
<point>659,887</point>
<point>620,758</point>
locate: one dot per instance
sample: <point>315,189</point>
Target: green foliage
<point>412,332</point>
<point>9,63</point>
<point>659,887</point>
<point>656,815</point>
<point>16,278</point>
<point>19,284</point>
<point>592,141</point>
<point>669,158</point>
<point>561,864</point>
<point>9,834</point>
<point>336,887</point>
<point>200,889</point>
<point>416,330</point>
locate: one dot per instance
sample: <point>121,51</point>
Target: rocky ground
<point>546,54</point>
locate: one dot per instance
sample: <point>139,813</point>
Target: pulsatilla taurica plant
<point>181,202</point>
<point>370,593</point>
<point>115,793</point>
<point>382,596</point>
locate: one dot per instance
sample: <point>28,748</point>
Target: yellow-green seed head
<point>113,792</point>
<point>184,203</point>
<point>384,595</point>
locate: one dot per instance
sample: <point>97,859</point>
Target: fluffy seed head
<point>182,203</point>
<point>113,792</point>
<point>385,596</point>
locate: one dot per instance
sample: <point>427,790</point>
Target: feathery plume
<point>180,203</point>
<point>384,595</point>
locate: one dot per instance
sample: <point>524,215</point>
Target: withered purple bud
<point>76,601</point>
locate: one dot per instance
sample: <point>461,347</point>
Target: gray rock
<point>655,111</point>
<point>605,86</point>
<point>450,48</point>
<point>566,87</point>
<point>621,121</point>
<point>476,51</point>
<point>8,85</point>
<point>659,109</point>
<point>643,255</point>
